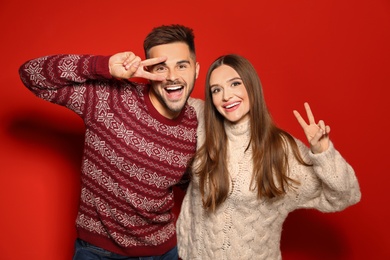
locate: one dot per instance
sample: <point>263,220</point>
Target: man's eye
<point>158,69</point>
<point>182,66</point>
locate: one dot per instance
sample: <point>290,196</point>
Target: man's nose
<point>171,75</point>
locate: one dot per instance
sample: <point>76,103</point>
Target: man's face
<point>180,72</point>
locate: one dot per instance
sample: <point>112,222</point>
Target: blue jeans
<point>86,251</point>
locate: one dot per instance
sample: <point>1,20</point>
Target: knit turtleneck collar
<point>240,131</point>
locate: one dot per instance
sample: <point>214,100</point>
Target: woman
<point>248,174</point>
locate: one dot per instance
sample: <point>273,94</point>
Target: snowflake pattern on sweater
<point>132,155</point>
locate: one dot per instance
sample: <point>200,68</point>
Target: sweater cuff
<point>100,67</point>
<point>324,157</point>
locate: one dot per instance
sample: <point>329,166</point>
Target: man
<point>139,141</point>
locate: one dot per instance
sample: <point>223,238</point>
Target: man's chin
<point>176,107</point>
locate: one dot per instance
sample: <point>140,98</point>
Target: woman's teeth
<point>232,105</point>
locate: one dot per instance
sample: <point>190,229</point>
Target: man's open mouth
<point>172,89</point>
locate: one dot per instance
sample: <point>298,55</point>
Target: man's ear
<point>197,69</point>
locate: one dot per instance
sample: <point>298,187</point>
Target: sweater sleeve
<point>198,105</point>
<point>62,79</point>
<point>329,185</point>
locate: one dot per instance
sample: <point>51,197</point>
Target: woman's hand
<point>316,134</point>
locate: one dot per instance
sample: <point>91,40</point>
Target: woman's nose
<point>227,94</point>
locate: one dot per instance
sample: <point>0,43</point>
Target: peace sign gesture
<point>316,134</point>
<point>126,65</point>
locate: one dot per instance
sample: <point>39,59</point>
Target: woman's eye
<point>236,83</point>
<point>215,90</point>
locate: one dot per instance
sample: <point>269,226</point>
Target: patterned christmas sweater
<point>132,155</point>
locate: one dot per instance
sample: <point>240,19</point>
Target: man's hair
<point>169,34</point>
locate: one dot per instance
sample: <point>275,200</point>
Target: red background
<point>332,53</point>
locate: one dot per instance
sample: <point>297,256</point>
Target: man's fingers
<point>130,58</point>
<point>153,61</point>
<point>155,77</point>
<point>150,76</point>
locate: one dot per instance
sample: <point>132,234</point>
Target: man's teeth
<point>232,105</point>
<point>173,88</point>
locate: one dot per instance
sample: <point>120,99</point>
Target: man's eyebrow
<point>183,61</point>
<point>164,63</point>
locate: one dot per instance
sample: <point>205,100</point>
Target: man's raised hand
<point>127,65</point>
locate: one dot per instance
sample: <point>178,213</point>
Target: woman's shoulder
<point>197,104</point>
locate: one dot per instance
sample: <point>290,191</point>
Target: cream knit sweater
<point>247,228</point>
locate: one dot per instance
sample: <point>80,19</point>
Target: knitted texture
<point>132,155</point>
<point>244,227</point>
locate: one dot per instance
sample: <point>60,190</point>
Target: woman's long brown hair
<point>267,141</point>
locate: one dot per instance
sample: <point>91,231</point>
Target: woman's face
<point>229,94</point>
